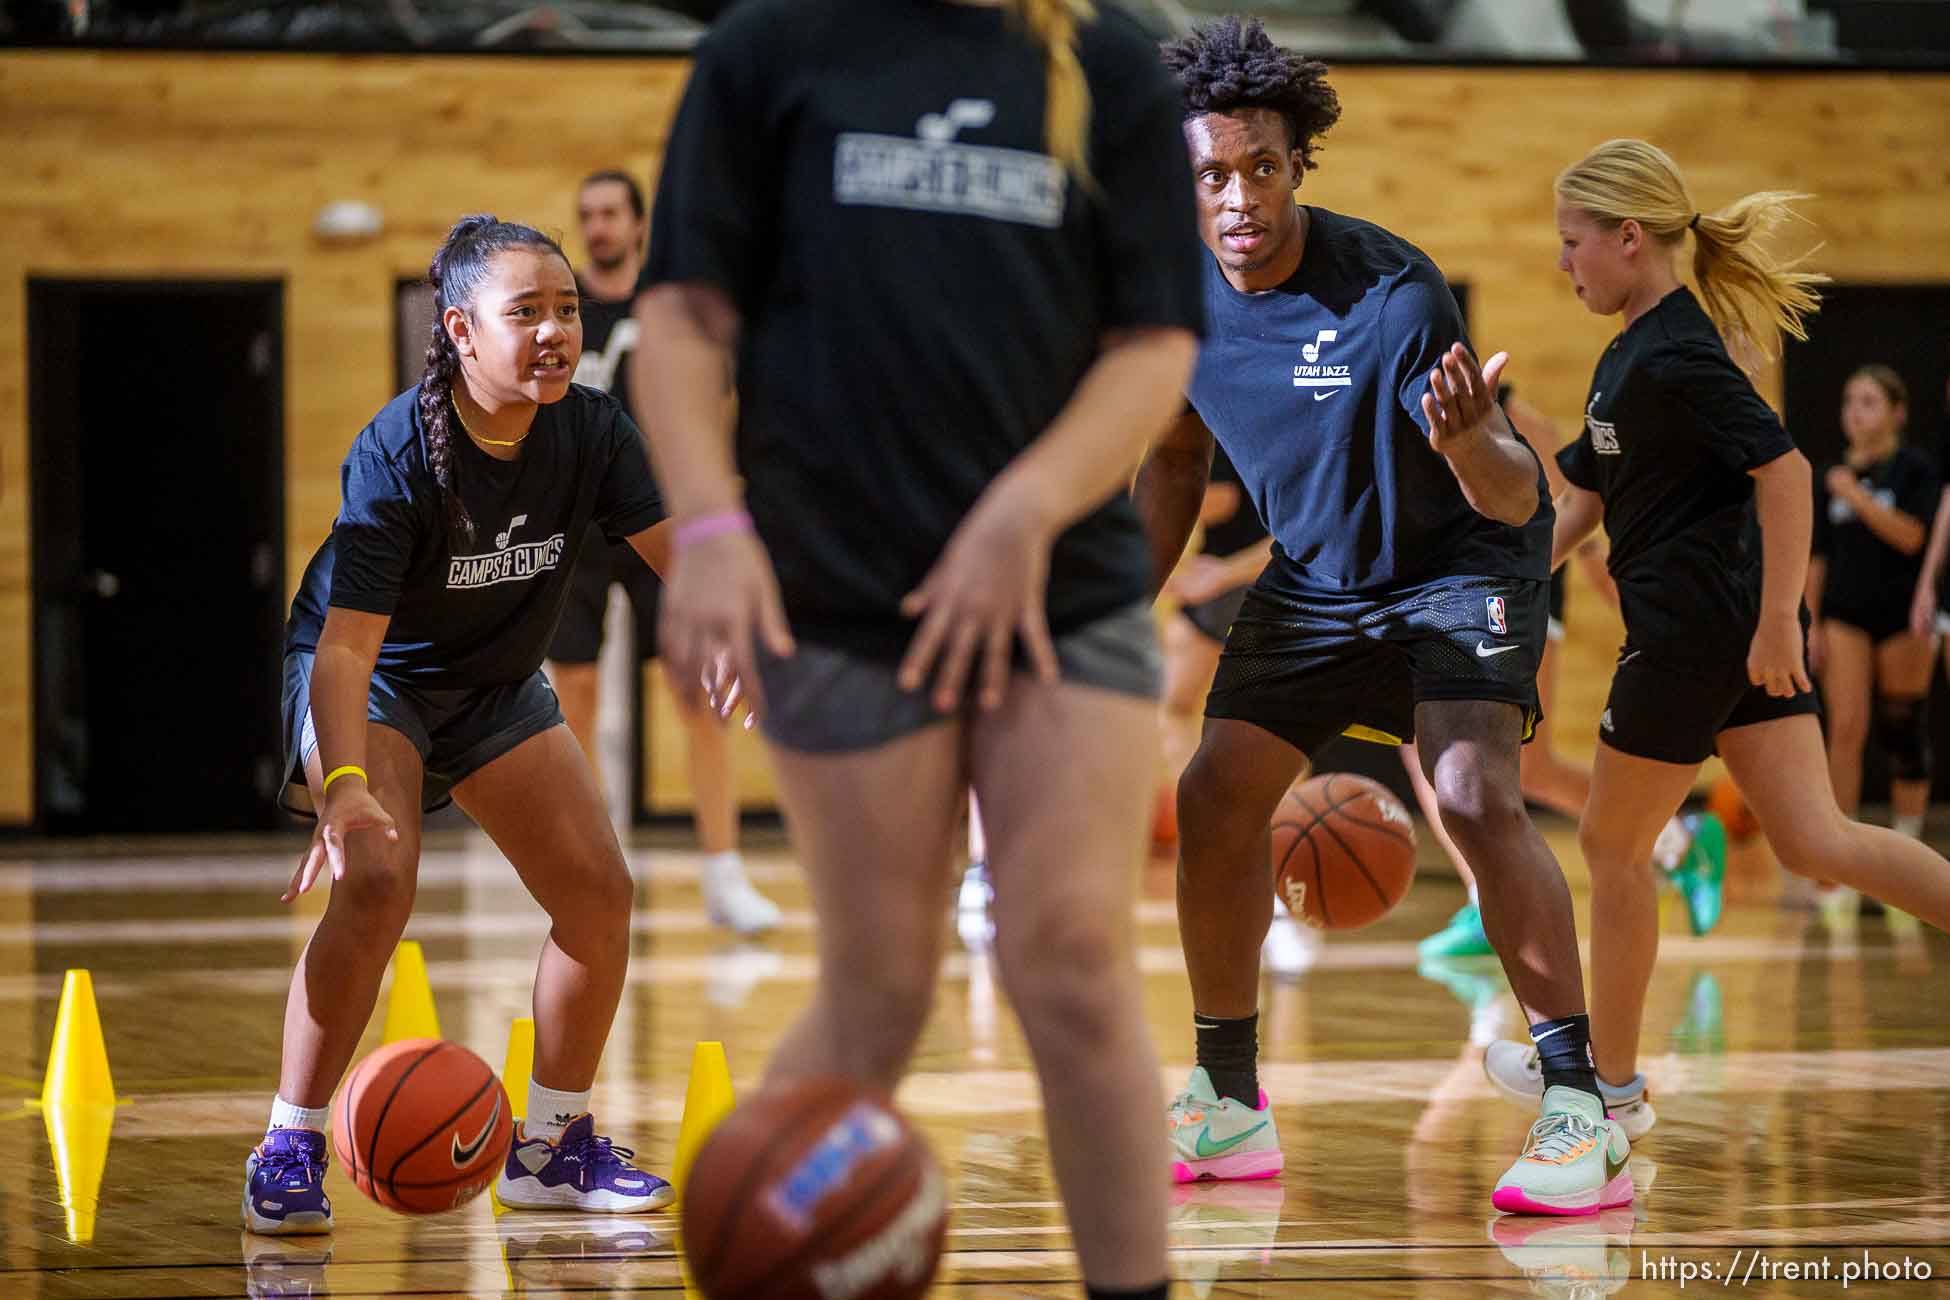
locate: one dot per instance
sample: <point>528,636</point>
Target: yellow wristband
<point>350,769</point>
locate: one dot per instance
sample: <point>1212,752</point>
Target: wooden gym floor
<point>1802,1079</point>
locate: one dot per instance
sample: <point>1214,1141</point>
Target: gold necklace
<point>492,442</point>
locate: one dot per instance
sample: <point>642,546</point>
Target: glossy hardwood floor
<point>1802,1079</point>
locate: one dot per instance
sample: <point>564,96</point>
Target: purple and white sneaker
<point>578,1171</point>
<point>284,1184</point>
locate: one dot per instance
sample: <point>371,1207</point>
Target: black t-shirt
<point>1240,529</point>
<point>1867,576</point>
<point>1315,390</point>
<point>609,335</point>
<point>485,617</point>
<point>1671,430</point>
<point>921,287</point>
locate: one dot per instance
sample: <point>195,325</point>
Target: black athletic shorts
<point>1560,596</point>
<point>1880,624</point>
<point>1213,618</point>
<point>457,732</point>
<point>1674,713</point>
<point>1309,666</point>
<point>579,636</point>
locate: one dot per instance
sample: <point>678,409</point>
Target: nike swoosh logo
<point>464,1153</point>
<point>1206,1148</point>
<point>1321,397</point>
<point>1485,651</point>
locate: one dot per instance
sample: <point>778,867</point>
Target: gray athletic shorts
<point>828,701</point>
<point>457,732</point>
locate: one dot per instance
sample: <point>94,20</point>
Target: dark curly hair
<point>1232,64</point>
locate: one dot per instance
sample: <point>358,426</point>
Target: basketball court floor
<point>1802,1079</point>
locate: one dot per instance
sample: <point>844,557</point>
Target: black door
<point>156,414</point>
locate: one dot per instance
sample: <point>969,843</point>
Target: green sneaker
<point>1573,1162</point>
<point>1462,937</point>
<point>1701,874</point>
<point>1224,1139</point>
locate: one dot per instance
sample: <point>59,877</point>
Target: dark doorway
<point>1901,326</point>
<point>156,417</point>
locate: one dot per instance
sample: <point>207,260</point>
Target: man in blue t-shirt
<point>1407,597</point>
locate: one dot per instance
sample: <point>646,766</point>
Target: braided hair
<point>460,266</point>
<point>1232,64</point>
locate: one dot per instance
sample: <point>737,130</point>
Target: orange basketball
<point>1726,802</point>
<point>811,1190</point>
<point>1343,851</point>
<point>421,1126</point>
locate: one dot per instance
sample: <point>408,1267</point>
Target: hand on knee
<point>379,896</point>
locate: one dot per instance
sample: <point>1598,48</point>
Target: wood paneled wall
<point>182,165</point>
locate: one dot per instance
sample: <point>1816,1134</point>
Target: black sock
<point>1229,1051</point>
<point>1158,1292</point>
<point>1564,1050</point>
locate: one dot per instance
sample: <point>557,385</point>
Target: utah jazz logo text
<point>506,563</point>
<point>1322,378</point>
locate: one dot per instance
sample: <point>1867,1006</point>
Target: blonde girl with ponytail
<point>1709,509</point>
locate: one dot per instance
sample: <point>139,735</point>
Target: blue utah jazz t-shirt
<point>1315,390</point>
<point>483,616</point>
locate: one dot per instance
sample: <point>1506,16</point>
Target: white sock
<point>549,1111</point>
<point>286,1115</point>
<point>1910,824</point>
<point>721,865</point>
<point>1472,893</point>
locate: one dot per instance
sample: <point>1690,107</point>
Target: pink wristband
<point>704,527</point>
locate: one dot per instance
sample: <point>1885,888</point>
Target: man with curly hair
<point>1406,599</point>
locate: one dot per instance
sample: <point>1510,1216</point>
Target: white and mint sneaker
<point>1223,1139</point>
<point>1573,1162</point>
<point>1517,1072</point>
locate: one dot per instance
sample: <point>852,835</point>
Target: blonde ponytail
<point>1053,24</point>
<point>1749,293</point>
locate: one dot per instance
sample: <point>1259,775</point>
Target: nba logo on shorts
<point>1498,624</point>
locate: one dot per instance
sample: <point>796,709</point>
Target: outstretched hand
<point>1462,398</point>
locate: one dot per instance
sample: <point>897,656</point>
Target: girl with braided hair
<point>413,678</point>
<point>947,251</point>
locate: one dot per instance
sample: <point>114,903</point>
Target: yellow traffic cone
<point>520,1065</point>
<point>515,1073</point>
<point>78,1136</point>
<point>77,1061</point>
<point>706,1101</point>
<point>409,1006</point>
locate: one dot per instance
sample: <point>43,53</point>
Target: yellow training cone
<point>409,1007</point>
<point>706,1101</point>
<point>78,1136</point>
<point>520,1065</point>
<point>77,1062</point>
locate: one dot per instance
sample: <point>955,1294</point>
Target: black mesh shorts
<point>1309,666</point>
